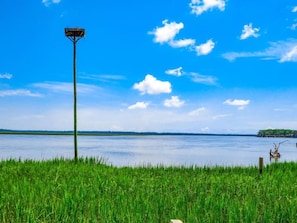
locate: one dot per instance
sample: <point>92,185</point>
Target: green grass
<point>62,190</point>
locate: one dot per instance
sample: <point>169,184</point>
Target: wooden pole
<point>260,165</point>
<point>74,34</point>
<point>75,98</point>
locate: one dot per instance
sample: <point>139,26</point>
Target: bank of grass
<point>63,190</point>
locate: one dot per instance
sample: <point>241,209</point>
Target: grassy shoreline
<point>62,190</point>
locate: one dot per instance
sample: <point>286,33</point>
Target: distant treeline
<point>277,133</point>
<point>109,133</point>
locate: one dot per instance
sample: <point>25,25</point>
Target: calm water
<point>153,150</point>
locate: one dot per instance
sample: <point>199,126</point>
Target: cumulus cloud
<point>167,32</point>
<point>294,9</point>
<point>205,48</point>
<point>249,31</point>
<point>49,2</point>
<point>175,72</point>
<point>150,85</point>
<point>5,76</point>
<point>174,101</point>
<point>196,112</point>
<point>139,105</point>
<point>283,51</point>
<point>237,102</point>
<point>200,6</point>
<point>18,92</point>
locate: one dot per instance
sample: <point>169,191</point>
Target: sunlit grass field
<point>88,190</point>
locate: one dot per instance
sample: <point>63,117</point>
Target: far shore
<point>110,133</point>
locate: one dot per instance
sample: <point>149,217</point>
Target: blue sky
<point>204,66</point>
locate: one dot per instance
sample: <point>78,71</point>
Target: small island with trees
<point>278,133</point>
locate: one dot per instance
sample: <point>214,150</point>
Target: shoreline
<point>112,133</point>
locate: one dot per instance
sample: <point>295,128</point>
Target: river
<point>187,150</point>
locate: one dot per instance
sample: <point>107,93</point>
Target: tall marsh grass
<point>88,190</point>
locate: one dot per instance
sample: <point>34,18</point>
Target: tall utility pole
<point>74,34</point>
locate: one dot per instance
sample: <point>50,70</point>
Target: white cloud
<point>139,105</point>
<point>5,76</point>
<point>291,55</point>
<point>281,109</point>
<point>181,43</point>
<point>231,56</point>
<point>150,85</point>
<point>203,79</point>
<point>220,116</point>
<point>175,72</point>
<point>200,6</point>
<point>174,101</point>
<point>167,32</point>
<point>195,77</point>
<point>249,31</point>
<point>102,77</point>
<point>205,129</point>
<point>49,2</point>
<point>237,102</point>
<point>196,112</point>
<point>293,26</point>
<point>205,48</point>
<point>18,92</point>
<point>57,115</point>
<point>66,87</point>
<point>283,51</point>
<point>56,86</point>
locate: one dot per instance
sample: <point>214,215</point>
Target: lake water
<point>164,150</point>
